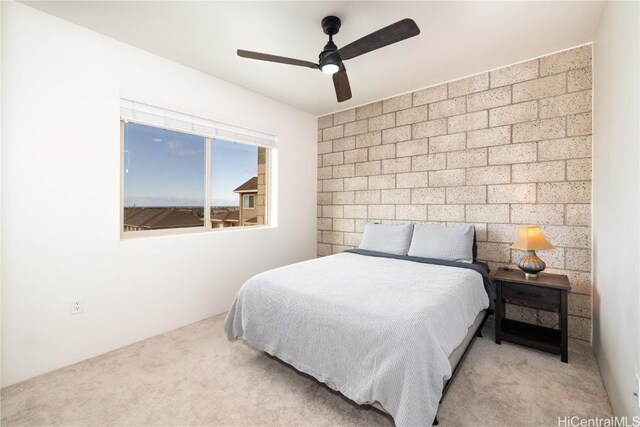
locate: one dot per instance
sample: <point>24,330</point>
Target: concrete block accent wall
<point>499,149</point>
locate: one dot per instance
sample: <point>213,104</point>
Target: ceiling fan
<point>331,58</point>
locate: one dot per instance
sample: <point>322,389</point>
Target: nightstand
<point>545,292</point>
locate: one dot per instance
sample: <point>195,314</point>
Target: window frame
<point>207,226</point>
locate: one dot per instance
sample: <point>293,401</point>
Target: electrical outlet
<point>77,305</point>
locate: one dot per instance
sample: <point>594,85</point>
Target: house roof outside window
<point>251,186</point>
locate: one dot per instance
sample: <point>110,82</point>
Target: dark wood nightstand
<point>545,292</point>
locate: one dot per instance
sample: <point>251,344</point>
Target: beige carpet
<point>194,376</point>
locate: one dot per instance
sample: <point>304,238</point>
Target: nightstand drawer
<point>533,296</point>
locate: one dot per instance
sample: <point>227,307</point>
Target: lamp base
<point>531,265</point>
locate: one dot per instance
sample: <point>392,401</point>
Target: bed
<point>385,330</point>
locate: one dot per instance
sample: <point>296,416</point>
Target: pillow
<point>445,243</point>
<point>388,238</point>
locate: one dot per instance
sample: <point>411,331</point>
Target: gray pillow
<point>453,243</point>
<point>388,238</point>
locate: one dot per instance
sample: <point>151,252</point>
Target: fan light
<point>330,68</point>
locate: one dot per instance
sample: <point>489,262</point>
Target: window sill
<point>178,232</point>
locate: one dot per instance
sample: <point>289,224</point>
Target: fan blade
<point>341,83</point>
<point>274,58</point>
<point>383,37</point>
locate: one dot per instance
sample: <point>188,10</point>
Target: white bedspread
<point>375,329</point>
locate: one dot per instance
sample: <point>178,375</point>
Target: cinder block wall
<point>499,149</point>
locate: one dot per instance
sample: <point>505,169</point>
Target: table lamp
<point>531,239</point>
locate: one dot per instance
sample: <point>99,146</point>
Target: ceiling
<point>457,39</point>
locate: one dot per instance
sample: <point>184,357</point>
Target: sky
<point>167,168</point>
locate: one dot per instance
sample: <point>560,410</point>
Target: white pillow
<point>440,242</point>
<point>388,238</point>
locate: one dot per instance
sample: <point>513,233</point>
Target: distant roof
<point>154,218</point>
<point>233,216</point>
<point>250,185</point>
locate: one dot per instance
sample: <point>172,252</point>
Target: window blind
<point>146,114</point>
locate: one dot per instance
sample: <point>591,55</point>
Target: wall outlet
<point>77,305</point>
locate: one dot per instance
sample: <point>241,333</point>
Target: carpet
<point>195,376</point>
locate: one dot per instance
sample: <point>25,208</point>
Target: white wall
<point>0,195</point>
<point>615,203</point>
<point>60,199</point>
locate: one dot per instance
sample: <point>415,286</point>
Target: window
<point>174,179</point>
<point>164,179</point>
<point>237,184</point>
<point>248,202</point>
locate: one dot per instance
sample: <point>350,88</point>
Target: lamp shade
<point>530,238</point>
